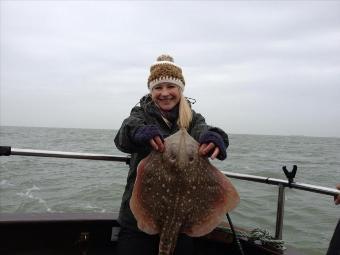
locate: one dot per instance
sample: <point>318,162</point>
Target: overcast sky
<point>254,67</point>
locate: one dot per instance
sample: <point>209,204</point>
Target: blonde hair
<point>185,112</point>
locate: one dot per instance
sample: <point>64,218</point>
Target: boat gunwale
<point>19,218</point>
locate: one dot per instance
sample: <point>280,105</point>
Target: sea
<point>40,185</point>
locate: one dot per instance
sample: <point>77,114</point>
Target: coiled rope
<point>260,237</point>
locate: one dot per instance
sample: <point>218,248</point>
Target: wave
<point>29,195</point>
<point>5,184</point>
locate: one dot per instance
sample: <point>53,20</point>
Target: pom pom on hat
<point>165,57</point>
<point>165,70</point>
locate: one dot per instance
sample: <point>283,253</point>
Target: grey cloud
<point>91,59</point>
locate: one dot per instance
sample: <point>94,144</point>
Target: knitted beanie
<point>165,70</point>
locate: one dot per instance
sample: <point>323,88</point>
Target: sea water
<point>33,184</point>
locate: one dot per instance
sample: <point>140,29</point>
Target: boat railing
<point>281,183</point>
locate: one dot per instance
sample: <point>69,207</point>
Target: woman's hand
<point>212,145</point>
<point>157,144</point>
<point>206,148</point>
<point>337,198</point>
<point>149,135</point>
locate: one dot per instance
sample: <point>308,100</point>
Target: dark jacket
<point>334,245</point>
<point>148,114</point>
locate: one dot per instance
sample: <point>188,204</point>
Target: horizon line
<point>231,133</point>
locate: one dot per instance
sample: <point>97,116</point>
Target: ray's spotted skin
<point>179,191</point>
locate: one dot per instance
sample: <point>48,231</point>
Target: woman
<point>161,113</point>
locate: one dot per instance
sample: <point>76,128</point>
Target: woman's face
<point>166,95</point>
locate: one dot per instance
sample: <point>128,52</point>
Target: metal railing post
<point>280,212</point>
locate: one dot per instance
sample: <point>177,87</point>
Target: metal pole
<point>7,151</point>
<point>280,212</point>
<point>285,183</point>
<point>63,154</point>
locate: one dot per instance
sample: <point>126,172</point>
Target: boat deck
<point>86,234</point>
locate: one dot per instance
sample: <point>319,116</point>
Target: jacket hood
<point>145,100</point>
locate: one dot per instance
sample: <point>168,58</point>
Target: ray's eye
<point>172,157</point>
<point>191,152</point>
<point>191,158</point>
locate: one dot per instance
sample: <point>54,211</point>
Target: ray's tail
<point>168,237</point>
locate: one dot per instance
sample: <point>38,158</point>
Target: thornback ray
<point>178,191</point>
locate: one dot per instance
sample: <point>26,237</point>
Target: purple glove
<point>215,138</point>
<point>143,134</point>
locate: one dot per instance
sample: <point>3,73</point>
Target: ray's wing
<point>148,202</point>
<point>214,195</point>
<point>138,200</point>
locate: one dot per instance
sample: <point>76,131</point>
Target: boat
<point>72,233</point>
<point>97,233</point>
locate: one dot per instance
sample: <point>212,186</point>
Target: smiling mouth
<point>166,100</point>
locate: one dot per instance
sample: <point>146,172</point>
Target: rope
<point>260,237</point>
<point>236,239</point>
<point>264,237</point>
